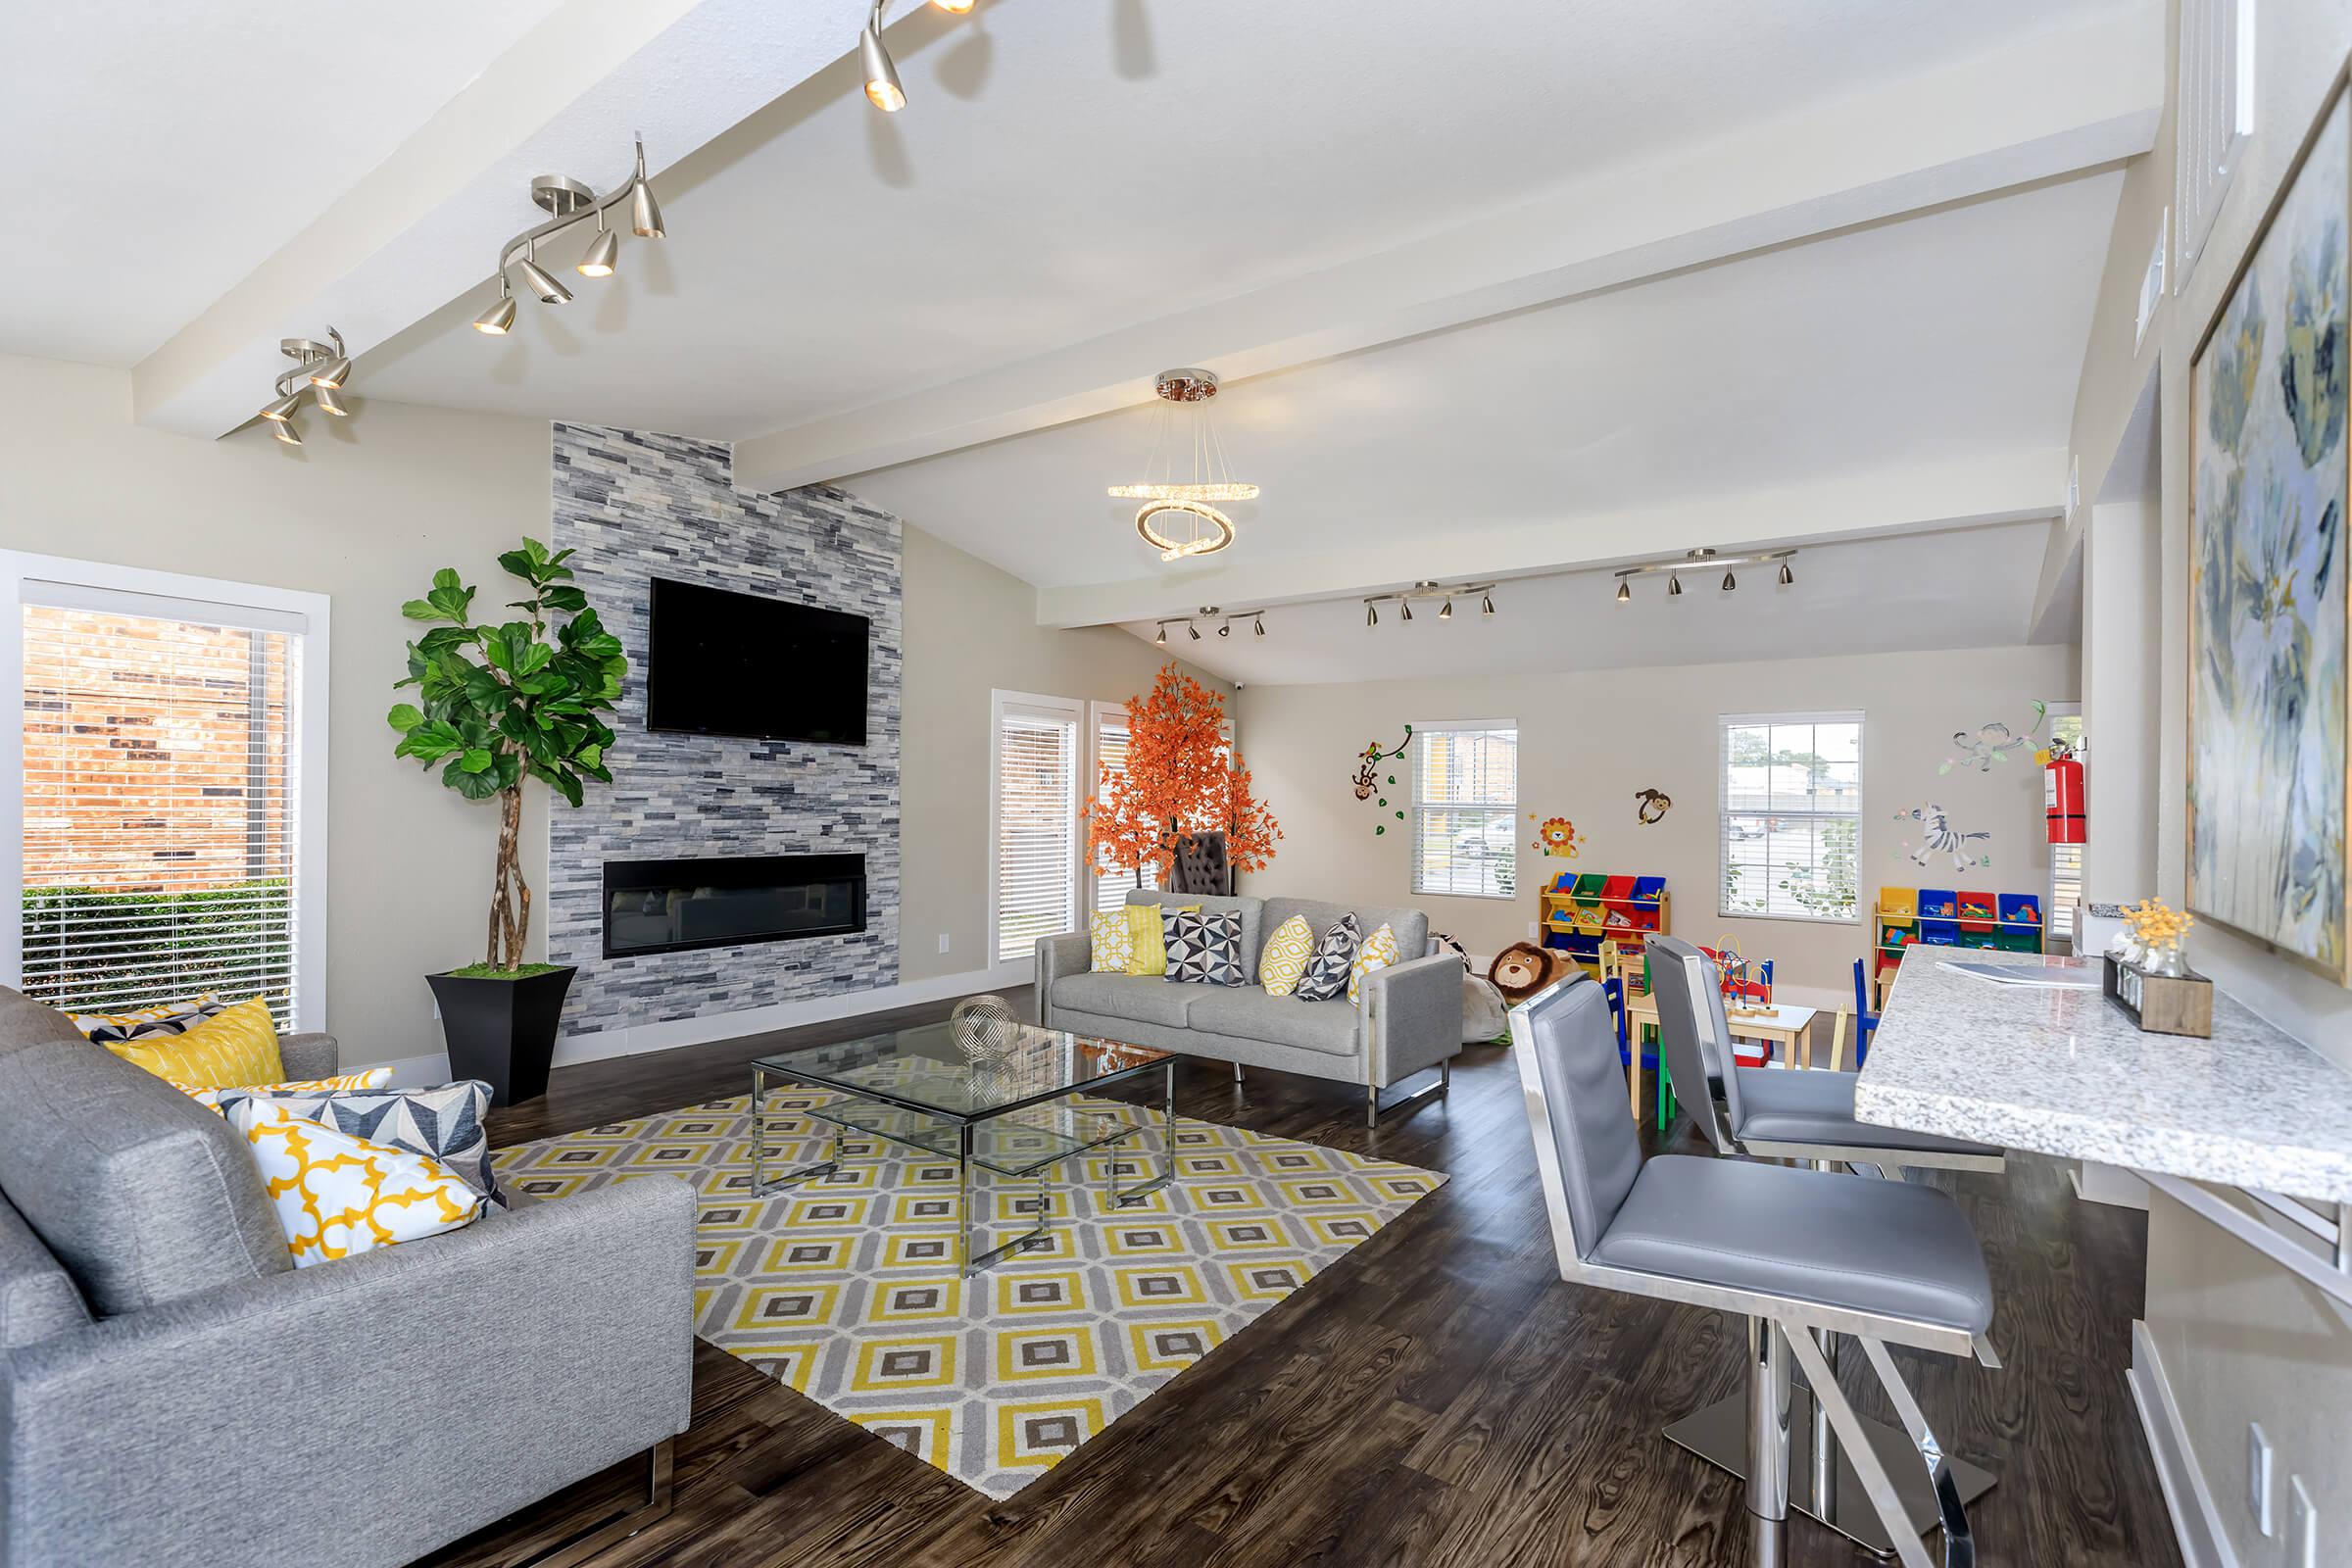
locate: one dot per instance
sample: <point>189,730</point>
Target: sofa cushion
<point>1147,998</point>
<point>1411,925</point>
<point>237,1046</point>
<point>38,1298</point>
<point>338,1196</point>
<point>1110,942</point>
<point>1249,1013</point>
<point>442,1123</point>
<point>1335,954</point>
<point>143,1195</point>
<point>1253,929</point>
<point>1204,948</point>
<point>1288,949</point>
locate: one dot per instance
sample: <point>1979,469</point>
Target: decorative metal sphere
<point>986,1028</point>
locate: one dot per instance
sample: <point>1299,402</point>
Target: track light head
<point>1674,585</point>
<point>603,252</point>
<point>1446,611</point>
<point>332,373</point>
<point>500,317</point>
<point>328,403</point>
<point>1404,608</point>
<point>1259,628</point>
<point>1192,631</point>
<point>882,87</point>
<point>1625,593</point>
<point>1225,631</point>
<point>1161,641</point>
<point>280,410</point>
<point>542,283</point>
<point>955,8</point>
<point>285,431</point>
<point>1485,607</point>
<point>645,213</point>
<point>1786,577</point>
<point>1730,582</point>
<point>1371,614</point>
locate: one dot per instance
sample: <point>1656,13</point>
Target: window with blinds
<point>1111,884</point>
<point>1465,810</point>
<point>1792,816</point>
<point>160,806</point>
<point>1035,827</point>
<point>2066,859</point>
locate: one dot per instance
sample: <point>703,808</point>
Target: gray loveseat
<point>1411,1020</point>
<point>173,1392</point>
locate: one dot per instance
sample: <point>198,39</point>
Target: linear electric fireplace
<point>668,906</point>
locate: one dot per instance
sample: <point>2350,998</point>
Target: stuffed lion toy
<point>1522,969</point>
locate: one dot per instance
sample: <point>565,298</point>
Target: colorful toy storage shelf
<point>2008,923</point>
<point>1582,911</point>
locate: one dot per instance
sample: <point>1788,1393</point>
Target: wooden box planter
<point>2162,1003</point>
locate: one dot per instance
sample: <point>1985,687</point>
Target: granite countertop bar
<point>2067,1073</point>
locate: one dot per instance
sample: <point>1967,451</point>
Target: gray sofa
<point>1411,1020</point>
<point>172,1390</point>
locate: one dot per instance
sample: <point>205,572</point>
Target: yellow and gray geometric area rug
<point>847,1286</point>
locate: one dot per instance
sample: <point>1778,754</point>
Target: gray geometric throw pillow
<point>1326,974</point>
<point>443,1124</point>
<point>1203,948</point>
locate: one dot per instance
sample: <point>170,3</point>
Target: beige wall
<point>1586,744</point>
<point>363,512</point>
<point>972,629</point>
<point>2240,1340</point>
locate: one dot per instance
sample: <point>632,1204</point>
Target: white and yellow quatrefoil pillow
<point>337,1195</point>
<point>1112,941</point>
<point>1379,951</point>
<point>1285,959</point>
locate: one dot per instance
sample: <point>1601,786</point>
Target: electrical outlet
<point>2302,1527</point>
<point>943,942</point>
<point>2257,1477</point>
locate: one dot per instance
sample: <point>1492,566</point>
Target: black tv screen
<point>729,664</point>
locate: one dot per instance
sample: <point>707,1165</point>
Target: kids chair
<point>1866,1022</point>
<point>1617,980</point>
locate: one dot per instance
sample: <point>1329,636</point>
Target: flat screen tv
<point>729,664</point>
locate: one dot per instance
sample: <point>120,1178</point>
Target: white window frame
<point>1724,722</point>
<point>2050,903</point>
<point>1075,712</point>
<point>1415,805</point>
<point>2212,118</point>
<point>99,585</point>
<point>1098,714</point>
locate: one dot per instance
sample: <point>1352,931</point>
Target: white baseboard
<point>2196,1522</point>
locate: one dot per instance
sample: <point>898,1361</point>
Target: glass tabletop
<point>1017,1142</point>
<point>963,1072</point>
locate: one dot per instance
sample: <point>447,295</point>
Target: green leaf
<point>446,577</point>
<point>419,610</point>
<point>404,717</point>
<point>473,786</point>
<point>440,638</point>
<point>476,761</point>
<point>568,599</point>
<point>532,658</point>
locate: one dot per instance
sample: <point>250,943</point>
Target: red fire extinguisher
<point>2062,796</point>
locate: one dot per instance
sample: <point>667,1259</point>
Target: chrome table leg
<point>1767,1443</point>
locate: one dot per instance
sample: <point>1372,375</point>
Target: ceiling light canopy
<point>1179,516</point>
<point>1703,558</point>
<point>321,369</point>
<point>569,202</point>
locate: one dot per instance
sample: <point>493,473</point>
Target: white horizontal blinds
<point>1112,884</point>
<point>159,820</point>
<point>1791,815</point>
<point>2066,859</point>
<point>1465,810</point>
<point>1037,828</point>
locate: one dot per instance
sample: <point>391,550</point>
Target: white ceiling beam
<point>1958,493</point>
<point>425,225</point>
<point>2053,105</point>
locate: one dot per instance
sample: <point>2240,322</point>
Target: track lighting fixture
<point>882,87</point>
<point>1258,629</point>
<point>1225,631</point>
<point>568,202</point>
<point>1707,558</point>
<point>320,370</point>
<point>1192,631</point>
<point>1162,639</point>
<point>1443,593</point>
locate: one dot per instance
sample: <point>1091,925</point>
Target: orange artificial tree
<point>1178,783</point>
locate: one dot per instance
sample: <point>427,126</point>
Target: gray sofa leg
<point>579,1548</point>
<point>1237,1072</point>
<point>1436,1091</point>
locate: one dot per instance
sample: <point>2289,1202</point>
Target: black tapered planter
<point>502,1031</point>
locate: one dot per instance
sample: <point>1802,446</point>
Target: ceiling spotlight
<point>1162,639</point>
<point>603,250</point>
<point>332,373</point>
<point>1192,631</point>
<point>955,8</point>
<point>1225,631</point>
<point>1730,582</point>
<point>328,403</point>
<point>1404,609</point>
<point>1625,593</point>
<point>1260,627</point>
<point>645,213</point>
<point>541,281</point>
<point>285,431</point>
<point>501,315</point>
<point>282,409</point>
<point>1446,611</point>
<point>1674,586</point>
<point>882,87</point>
<point>1786,577</point>
<point>1486,605</point>
<point>1371,614</point>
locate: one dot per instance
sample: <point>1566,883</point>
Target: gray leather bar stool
<point>1779,1113</point>
<point>1800,1253</point>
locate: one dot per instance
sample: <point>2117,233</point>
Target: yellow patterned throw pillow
<point>1112,942</point>
<point>348,1083</point>
<point>1285,959</point>
<point>1150,940</point>
<point>1378,952</point>
<point>337,1195</point>
<point>234,1048</point>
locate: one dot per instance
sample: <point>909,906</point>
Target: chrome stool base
<point>1718,1434</point>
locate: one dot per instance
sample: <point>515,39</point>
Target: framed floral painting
<point>2271,473</point>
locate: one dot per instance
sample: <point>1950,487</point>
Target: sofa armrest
<point>363,1411</point>
<point>1415,1016</point>
<point>310,1056</point>
<point>1071,952</point>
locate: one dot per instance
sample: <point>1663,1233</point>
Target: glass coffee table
<point>994,1098</point>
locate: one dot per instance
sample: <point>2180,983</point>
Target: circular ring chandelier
<point>1179,517</point>
<point>1152,520</point>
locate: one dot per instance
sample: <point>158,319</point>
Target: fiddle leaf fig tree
<point>497,704</point>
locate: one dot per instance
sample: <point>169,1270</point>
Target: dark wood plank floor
<point>1437,1398</point>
